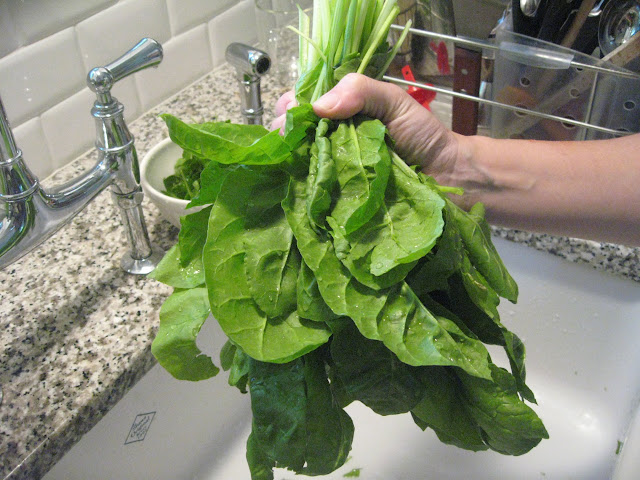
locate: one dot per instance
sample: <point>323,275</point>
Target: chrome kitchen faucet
<point>29,214</point>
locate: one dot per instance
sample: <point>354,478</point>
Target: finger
<point>357,93</point>
<point>285,102</point>
<point>278,123</point>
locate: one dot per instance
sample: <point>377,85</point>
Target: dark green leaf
<point>367,371</point>
<point>509,426</point>
<point>227,352</point>
<point>279,406</point>
<point>329,428</point>
<point>441,409</point>
<point>260,465</point>
<point>185,182</point>
<point>476,236</point>
<point>471,297</point>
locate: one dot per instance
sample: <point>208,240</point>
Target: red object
<point>422,96</point>
<point>442,57</point>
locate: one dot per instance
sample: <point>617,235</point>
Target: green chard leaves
<point>339,274</point>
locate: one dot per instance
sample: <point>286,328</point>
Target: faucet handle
<point>146,53</point>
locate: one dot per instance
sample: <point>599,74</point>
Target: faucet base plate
<point>142,266</point>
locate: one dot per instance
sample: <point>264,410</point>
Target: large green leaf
<point>403,230</point>
<point>322,177</point>
<point>441,409</point>
<point>509,426</point>
<point>367,371</point>
<point>476,236</point>
<point>170,270</point>
<point>363,164</point>
<point>181,318</point>
<point>230,143</point>
<point>231,296</point>
<point>393,315</point>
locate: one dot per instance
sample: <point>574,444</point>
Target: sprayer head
<point>248,60</point>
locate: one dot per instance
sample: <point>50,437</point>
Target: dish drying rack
<point>519,87</point>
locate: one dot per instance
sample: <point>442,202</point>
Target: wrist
<point>465,167</point>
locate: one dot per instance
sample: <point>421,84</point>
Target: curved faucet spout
<point>26,221</point>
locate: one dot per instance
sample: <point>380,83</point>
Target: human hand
<point>420,138</point>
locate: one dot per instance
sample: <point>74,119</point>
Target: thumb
<point>357,93</point>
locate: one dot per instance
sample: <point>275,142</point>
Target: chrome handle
<point>146,53</point>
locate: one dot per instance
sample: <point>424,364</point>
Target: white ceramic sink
<point>581,328</point>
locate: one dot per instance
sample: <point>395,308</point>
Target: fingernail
<point>327,102</point>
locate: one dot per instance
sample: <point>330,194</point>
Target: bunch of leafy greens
<point>184,183</point>
<point>340,274</point>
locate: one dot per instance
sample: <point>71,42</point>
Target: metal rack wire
<point>490,49</point>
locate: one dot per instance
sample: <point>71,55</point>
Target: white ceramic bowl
<point>156,165</point>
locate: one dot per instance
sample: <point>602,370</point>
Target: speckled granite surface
<point>76,330</point>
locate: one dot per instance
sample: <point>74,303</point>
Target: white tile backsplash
<point>35,150</point>
<point>36,77</point>
<point>36,19</point>
<point>47,48</point>
<point>238,24</point>
<point>187,14</point>
<point>70,118</point>
<point>184,62</point>
<point>108,34</point>
<point>9,38</point>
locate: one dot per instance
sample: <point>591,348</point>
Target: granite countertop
<point>76,330</point>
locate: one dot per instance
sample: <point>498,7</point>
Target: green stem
<point>395,49</point>
<point>311,42</point>
<point>304,25</point>
<point>380,36</point>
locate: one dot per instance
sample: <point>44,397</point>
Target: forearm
<point>583,189</point>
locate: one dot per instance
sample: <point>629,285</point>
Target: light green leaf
<point>393,315</point>
<point>322,177</point>
<point>181,318</point>
<point>171,272</point>
<point>363,164</point>
<point>265,338</point>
